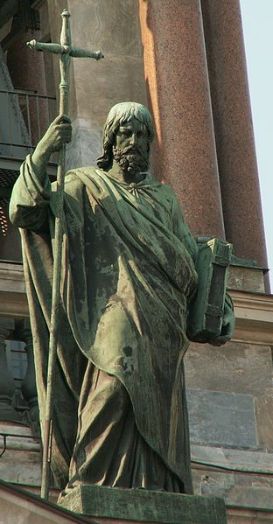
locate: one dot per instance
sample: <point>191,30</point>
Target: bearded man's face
<point>131,150</point>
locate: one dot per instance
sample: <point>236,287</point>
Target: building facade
<point>185,60</point>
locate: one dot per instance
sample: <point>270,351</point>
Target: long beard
<point>131,160</point>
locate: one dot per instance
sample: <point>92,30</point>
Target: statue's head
<point>128,133</point>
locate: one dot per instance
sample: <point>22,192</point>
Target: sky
<point>257,18</point>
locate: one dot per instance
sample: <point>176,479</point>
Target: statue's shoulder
<point>167,195</point>
<point>78,174</point>
<point>161,186</point>
<point>167,190</point>
<point>79,177</point>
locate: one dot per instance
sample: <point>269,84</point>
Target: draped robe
<point>127,277</point>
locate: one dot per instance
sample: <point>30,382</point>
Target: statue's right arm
<point>31,193</point>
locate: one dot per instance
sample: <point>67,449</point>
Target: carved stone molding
<point>13,300</point>
<point>254,317</point>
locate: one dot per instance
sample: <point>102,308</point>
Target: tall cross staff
<point>65,51</point>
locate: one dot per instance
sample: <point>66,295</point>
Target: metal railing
<point>24,118</point>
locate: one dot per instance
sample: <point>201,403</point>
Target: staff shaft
<point>54,327</point>
<point>65,50</point>
<point>54,320</point>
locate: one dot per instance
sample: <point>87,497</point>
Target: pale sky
<point>257,16</point>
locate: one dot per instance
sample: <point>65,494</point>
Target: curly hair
<point>118,115</point>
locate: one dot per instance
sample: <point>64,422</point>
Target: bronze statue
<point>128,260</point>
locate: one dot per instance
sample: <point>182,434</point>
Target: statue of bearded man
<point>128,275</point>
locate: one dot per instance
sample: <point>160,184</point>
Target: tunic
<point>127,278</point>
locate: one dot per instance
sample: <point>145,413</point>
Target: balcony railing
<point>24,118</point>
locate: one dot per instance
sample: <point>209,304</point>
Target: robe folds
<point>127,278</point>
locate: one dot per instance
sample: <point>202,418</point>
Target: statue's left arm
<point>182,231</point>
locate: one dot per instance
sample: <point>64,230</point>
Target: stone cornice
<point>13,300</point>
<point>254,317</point>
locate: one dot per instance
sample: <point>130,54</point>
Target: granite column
<point>233,129</point>
<point>179,96</point>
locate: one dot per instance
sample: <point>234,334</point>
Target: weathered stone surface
<point>127,72</point>
<point>244,516</point>
<point>235,367</point>
<point>19,506</point>
<point>238,489</point>
<point>121,37</point>
<point>245,479</point>
<point>236,460</point>
<point>21,467</point>
<point>254,318</point>
<point>144,506</point>
<point>21,459</point>
<point>13,300</point>
<point>85,145</point>
<point>247,279</point>
<point>218,483</point>
<point>219,418</point>
<point>264,411</point>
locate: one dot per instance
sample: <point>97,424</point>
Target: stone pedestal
<point>140,505</point>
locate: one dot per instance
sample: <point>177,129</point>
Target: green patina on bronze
<point>145,506</point>
<point>210,304</point>
<point>128,277</point>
